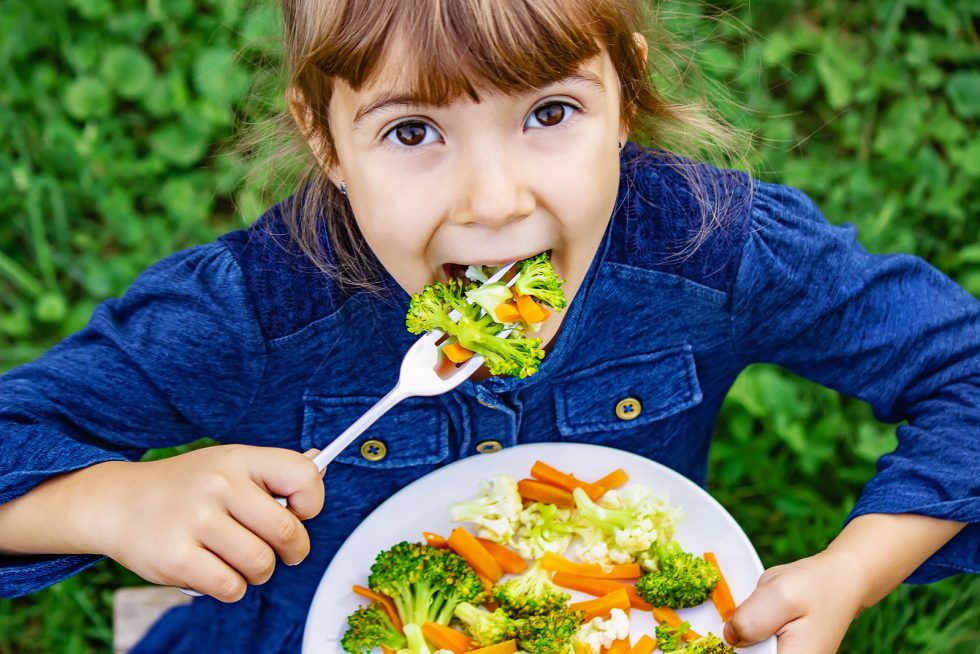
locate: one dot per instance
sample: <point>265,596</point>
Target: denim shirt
<point>245,341</point>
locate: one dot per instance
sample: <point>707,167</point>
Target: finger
<point>764,613</point>
<point>311,453</point>
<point>262,515</point>
<point>242,550</point>
<point>205,572</point>
<point>291,475</point>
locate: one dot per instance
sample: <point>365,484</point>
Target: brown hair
<point>462,46</point>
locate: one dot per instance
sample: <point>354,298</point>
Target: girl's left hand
<point>808,604</point>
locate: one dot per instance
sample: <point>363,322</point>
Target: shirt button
<point>628,408</point>
<point>485,447</point>
<point>374,450</point>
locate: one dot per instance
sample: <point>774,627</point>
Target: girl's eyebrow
<point>401,100</point>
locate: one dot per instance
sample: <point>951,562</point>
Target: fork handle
<point>330,452</point>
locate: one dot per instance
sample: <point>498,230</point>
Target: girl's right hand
<point>207,519</point>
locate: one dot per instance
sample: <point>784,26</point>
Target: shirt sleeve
<point>888,329</point>
<point>178,357</point>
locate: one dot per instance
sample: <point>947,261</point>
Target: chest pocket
<point>413,433</point>
<point>627,393</point>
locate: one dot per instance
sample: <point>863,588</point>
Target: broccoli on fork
<point>538,279</point>
<point>682,580</point>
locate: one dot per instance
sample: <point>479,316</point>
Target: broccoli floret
<point>485,627</point>
<point>496,510</point>
<point>516,356</point>
<point>489,297</point>
<point>549,633</point>
<point>670,639</point>
<point>426,583</point>
<point>543,528</point>
<point>682,580</point>
<point>532,593</point>
<point>369,627</point>
<point>538,279</point>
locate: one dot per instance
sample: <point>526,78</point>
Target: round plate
<point>422,506</point>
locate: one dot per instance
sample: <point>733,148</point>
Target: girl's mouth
<point>458,270</point>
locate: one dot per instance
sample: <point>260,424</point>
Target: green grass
<point>115,122</point>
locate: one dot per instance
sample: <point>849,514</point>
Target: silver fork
<point>419,376</point>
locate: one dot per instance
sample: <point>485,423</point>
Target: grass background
<point>116,118</point>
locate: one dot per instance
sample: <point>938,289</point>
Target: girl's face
<point>485,182</point>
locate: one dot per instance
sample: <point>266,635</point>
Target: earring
<point>620,146</point>
<point>343,189</point>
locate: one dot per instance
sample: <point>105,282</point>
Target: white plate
<point>422,506</point>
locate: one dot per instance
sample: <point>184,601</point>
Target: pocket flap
<point>664,382</point>
<point>414,432</point>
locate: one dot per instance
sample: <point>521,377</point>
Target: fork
<point>419,376</point>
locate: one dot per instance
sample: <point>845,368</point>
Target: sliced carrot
<point>645,645</point>
<point>599,587</point>
<point>669,617</point>
<point>530,310</point>
<point>538,491</point>
<point>558,563</point>
<point>387,650</point>
<point>621,646</point>
<point>456,352</point>
<point>467,546</point>
<point>444,637</point>
<point>598,608</point>
<point>385,601</point>
<point>506,647</point>
<point>543,472</point>
<point>434,540</point>
<point>508,312</point>
<point>614,479</point>
<point>722,594</point>
<point>508,559</point>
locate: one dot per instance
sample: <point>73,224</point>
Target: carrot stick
<point>434,540</point>
<point>508,559</point>
<point>444,637</point>
<point>614,479</point>
<point>456,352</point>
<point>597,608</point>
<point>543,472</point>
<point>645,645</point>
<point>538,491</point>
<point>530,310</point>
<point>599,587</point>
<point>621,646</point>
<point>467,546</point>
<point>385,601</point>
<point>721,595</point>
<point>506,647</point>
<point>558,563</point>
<point>508,312</point>
<point>667,616</point>
<point>387,650</point>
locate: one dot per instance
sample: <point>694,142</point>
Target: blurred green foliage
<point>116,118</point>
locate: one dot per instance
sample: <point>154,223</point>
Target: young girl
<point>477,132</point>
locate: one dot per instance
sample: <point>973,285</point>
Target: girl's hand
<point>207,519</point>
<point>808,604</point>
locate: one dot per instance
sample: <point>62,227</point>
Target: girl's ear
<point>304,116</point>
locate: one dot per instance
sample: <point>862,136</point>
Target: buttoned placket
<point>494,422</point>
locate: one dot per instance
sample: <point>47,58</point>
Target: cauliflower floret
<point>496,510</point>
<point>597,634</point>
<point>543,528</point>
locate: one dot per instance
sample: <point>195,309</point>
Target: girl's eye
<point>550,115</point>
<point>412,134</point>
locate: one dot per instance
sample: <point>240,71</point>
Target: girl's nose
<point>492,191</point>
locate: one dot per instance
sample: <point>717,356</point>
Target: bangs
<point>450,48</point>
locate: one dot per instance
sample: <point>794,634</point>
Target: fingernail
<point>293,564</point>
<point>730,634</point>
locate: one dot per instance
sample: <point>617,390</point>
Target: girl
<point>477,132</point>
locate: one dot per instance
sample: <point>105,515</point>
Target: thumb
<point>763,614</point>
<point>311,453</point>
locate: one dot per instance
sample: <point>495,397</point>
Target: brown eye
<point>410,133</point>
<point>550,114</point>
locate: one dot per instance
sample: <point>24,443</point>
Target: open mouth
<point>458,270</point>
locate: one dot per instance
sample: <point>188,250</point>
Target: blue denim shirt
<point>244,341</point>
